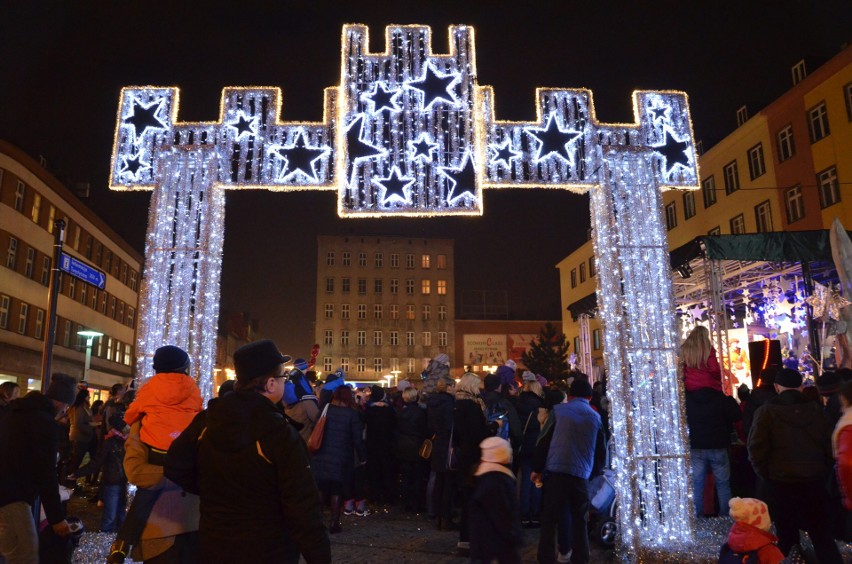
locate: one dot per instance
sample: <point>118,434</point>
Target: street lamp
<point>90,338</point>
<point>396,374</point>
<point>389,377</point>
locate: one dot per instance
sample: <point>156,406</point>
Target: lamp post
<point>90,338</point>
<point>396,376</point>
<point>389,377</point>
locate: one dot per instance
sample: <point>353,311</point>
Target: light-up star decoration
<point>422,148</point>
<point>435,87</point>
<point>674,152</point>
<point>396,188</point>
<point>299,157</point>
<point>144,117</point>
<point>132,166</point>
<point>553,140</point>
<point>462,181</point>
<point>244,125</point>
<point>503,154</point>
<point>382,98</point>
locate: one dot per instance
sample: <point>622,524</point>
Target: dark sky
<point>63,64</point>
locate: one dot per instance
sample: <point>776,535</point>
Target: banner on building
<point>518,344</point>
<point>484,349</point>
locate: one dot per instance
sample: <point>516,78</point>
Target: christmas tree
<point>548,354</point>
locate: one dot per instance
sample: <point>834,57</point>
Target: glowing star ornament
<point>435,87</point>
<point>674,152</point>
<point>396,188</point>
<point>244,126</point>
<point>299,157</point>
<point>553,140</point>
<point>132,166</point>
<point>503,154</point>
<point>658,112</point>
<point>422,148</point>
<point>144,117</point>
<point>382,98</point>
<point>462,181</point>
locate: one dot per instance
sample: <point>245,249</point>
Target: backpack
<point>728,556</point>
<point>498,413</point>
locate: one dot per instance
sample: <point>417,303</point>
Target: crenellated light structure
<point>411,133</point>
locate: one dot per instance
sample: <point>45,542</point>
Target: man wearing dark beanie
<point>790,447</point>
<point>28,445</point>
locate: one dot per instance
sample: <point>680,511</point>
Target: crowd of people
<point>274,462</point>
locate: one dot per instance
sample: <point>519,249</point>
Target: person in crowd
<point>529,401</point>
<point>259,501</point>
<point>303,407</point>
<point>439,421</point>
<point>163,407</point>
<point>334,464</point>
<point>764,390</point>
<point>498,403</point>
<point>82,429</point>
<point>710,417</point>
<point>601,404</point>
<point>506,373</point>
<point>750,534</point>
<point>571,451</point>
<point>114,404</point>
<point>98,424</point>
<point>841,441</point>
<point>437,369</point>
<point>398,400</point>
<point>495,524</point>
<point>470,428</point>
<point>790,447</point>
<point>380,425</point>
<point>828,384</point>
<point>700,364</point>
<point>332,382</point>
<point>411,431</point>
<point>9,391</point>
<point>28,443</point>
<point>110,460</point>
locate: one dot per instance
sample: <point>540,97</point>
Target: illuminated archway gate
<point>411,133</point>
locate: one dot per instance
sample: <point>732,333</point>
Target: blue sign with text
<point>83,271</point>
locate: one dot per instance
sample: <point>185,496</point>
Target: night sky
<point>63,64</point>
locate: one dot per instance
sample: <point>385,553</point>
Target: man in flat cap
<point>259,501</point>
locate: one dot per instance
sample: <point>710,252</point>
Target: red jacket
<point>843,447</point>
<point>745,538</point>
<point>166,405</point>
<point>708,376</point>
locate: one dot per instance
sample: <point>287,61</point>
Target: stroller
<point>603,505</point>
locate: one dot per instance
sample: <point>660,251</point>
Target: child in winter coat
<point>164,406</point>
<point>750,534</point>
<point>494,513</point>
<point>700,366</point>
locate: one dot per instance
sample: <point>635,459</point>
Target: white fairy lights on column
<point>410,133</point>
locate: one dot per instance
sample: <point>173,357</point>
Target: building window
<point>394,311</point>
<point>344,338</point>
<point>362,364</point>
<point>329,258</point>
<point>362,311</point>
<point>425,261</point>
<point>794,203</point>
<point>738,225</point>
<point>409,338</point>
<point>829,188</point>
<point>756,166</point>
<point>22,318</point>
<point>442,287</point>
<point>108,264</point>
<point>347,258</point>
<point>39,326</point>
<point>4,311</point>
<point>345,284</point>
<point>377,364</point>
<point>94,304</point>
<point>328,337</point>
<point>582,272</point>
<point>573,277</point>
<point>28,269</point>
<point>84,294</point>
<point>20,192</point>
<point>708,191</point>
<point>104,297</point>
<point>742,115</point>
<point>380,259</point>
<point>596,339</point>
<point>394,338</point>
<point>394,364</point>
<point>362,286</point>
<point>89,243</point>
<point>442,338</point>
<point>133,276</point>
<point>688,205</point>
<point>131,317</point>
<point>51,218</point>
<point>326,364</point>
<point>377,286</point>
<point>329,311</point>
<point>77,233</point>
<point>427,339</point>
<point>409,286</point>
<point>763,217</point>
<point>362,260</point>
<point>66,338</point>
<point>671,217</point>
<point>45,271</point>
<point>127,355</point>
<point>441,262</point>
<point>361,338</point>
<point>592,270</point>
<point>378,311</point>
<point>329,285</point>
<point>344,364</point>
<point>409,261</point>
<point>732,178</point>
<point>124,270</point>
<point>411,365</point>
<point>12,253</point>
<point>818,122</point>
<point>798,72</point>
<point>377,338</point>
<point>427,312</point>
<point>394,286</point>
<point>394,260</point>
<point>72,287</point>
<point>786,144</point>
<point>847,96</point>
<point>425,287</point>
<point>409,312</point>
<point>112,307</point>
<point>442,312</point>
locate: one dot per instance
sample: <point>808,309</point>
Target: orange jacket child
<point>168,402</point>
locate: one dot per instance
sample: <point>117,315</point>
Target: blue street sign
<point>83,271</point>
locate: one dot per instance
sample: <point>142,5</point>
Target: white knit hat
<point>511,364</point>
<point>497,450</point>
<point>751,512</point>
<point>403,385</point>
<point>529,376</point>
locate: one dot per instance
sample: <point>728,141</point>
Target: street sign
<point>83,271</point>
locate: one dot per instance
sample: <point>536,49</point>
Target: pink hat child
<point>751,530</point>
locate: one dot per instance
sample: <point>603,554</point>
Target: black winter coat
<point>710,416</point>
<point>110,459</point>
<point>790,440</point>
<point>253,469</point>
<point>342,439</point>
<point>756,400</point>
<point>380,421</point>
<point>28,445</point>
<point>495,519</point>
<point>439,420</point>
<point>470,429</point>
<point>527,405</point>
<point>410,432</point>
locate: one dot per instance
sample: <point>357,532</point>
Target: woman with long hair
<point>82,432</point>
<point>528,403</point>
<point>700,365</point>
